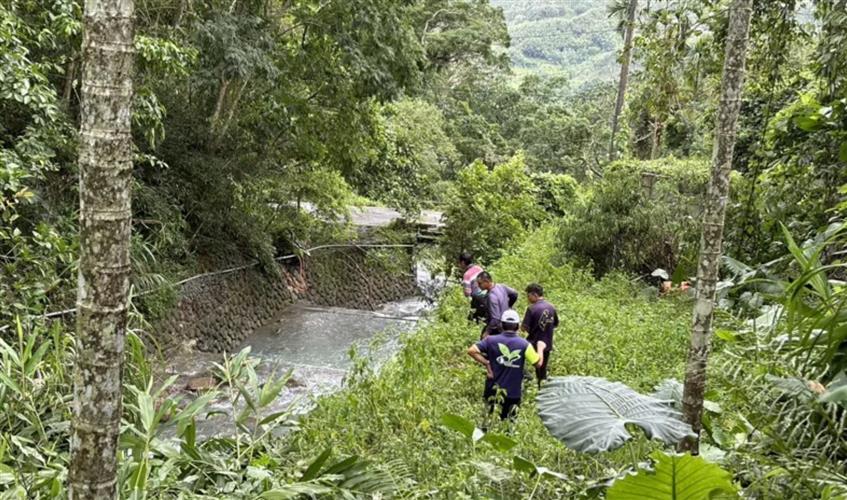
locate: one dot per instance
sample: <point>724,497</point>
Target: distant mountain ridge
<point>574,36</point>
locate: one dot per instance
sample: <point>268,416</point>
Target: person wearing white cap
<point>504,355</point>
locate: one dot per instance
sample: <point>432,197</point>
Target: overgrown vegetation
<point>640,216</point>
<point>256,125</point>
<point>610,328</point>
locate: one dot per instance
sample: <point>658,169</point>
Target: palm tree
<point>626,58</point>
<point>105,160</point>
<point>711,242</point>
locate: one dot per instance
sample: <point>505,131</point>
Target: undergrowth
<point>609,328</point>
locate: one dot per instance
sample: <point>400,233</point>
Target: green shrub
<point>488,210</point>
<point>640,216</point>
<point>556,193</point>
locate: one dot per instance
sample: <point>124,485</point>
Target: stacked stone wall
<point>216,313</point>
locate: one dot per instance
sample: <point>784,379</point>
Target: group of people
<point>501,349</point>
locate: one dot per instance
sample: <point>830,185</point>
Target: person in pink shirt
<point>470,272</point>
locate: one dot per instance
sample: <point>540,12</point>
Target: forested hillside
<point>679,237</point>
<point>577,38</point>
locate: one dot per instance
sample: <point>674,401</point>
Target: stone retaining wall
<point>217,313</point>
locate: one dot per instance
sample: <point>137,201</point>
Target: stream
<point>313,343</point>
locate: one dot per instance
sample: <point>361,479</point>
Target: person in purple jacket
<point>539,321</point>
<point>504,355</point>
<point>500,298</point>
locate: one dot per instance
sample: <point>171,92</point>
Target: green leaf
<point>808,123</point>
<point>842,152</point>
<point>272,417</point>
<point>679,275</point>
<point>271,390</point>
<point>458,424</point>
<point>315,466</point>
<point>590,414</point>
<point>726,335</point>
<point>838,395</point>
<point>499,441</point>
<point>523,465</point>
<point>676,477</point>
<point>297,490</point>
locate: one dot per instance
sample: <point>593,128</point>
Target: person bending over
<point>500,299</point>
<point>504,355</point>
<point>471,288</point>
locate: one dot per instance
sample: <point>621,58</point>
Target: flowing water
<point>313,344</point>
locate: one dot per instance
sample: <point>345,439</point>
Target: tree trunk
<point>105,160</point>
<point>711,241</point>
<point>626,58</point>
<point>70,80</point>
<point>656,139</point>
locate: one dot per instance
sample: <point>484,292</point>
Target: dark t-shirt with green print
<point>507,352</point>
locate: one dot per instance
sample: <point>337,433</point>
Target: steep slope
<point>574,36</point>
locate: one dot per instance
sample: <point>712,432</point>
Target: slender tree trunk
<point>656,139</point>
<point>105,160</point>
<point>711,242</point>
<point>626,58</point>
<point>219,107</point>
<point>70,79</point>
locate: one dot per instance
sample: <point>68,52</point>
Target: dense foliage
<point>489,211</point>
<point>640,216</point>
<point>258,124</point>
<point>576,38</point>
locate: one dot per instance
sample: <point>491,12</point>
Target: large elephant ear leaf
<point>590,414</point>
<point>669,390</point>
<point>676,477</point>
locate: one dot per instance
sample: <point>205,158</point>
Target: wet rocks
<point>293,382</point>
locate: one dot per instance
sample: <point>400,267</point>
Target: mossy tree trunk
<point>626,58</point>
<point>105,162</point>
<point>711,242</point>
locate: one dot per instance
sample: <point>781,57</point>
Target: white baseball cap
<point>510,316</point>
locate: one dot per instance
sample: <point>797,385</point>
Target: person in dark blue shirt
<point>539,321</point>
<point>503,355</point>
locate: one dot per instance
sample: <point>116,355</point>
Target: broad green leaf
<point>676,477</point>
<point>590,414</point>
<point>499,441</point>
<point>458,424</point>
<point>523,465</point>
<point>842,152</point>
<point>808,123</point>
<point>726,335</point>
<point>671,390</point>
<point>838,395</point>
